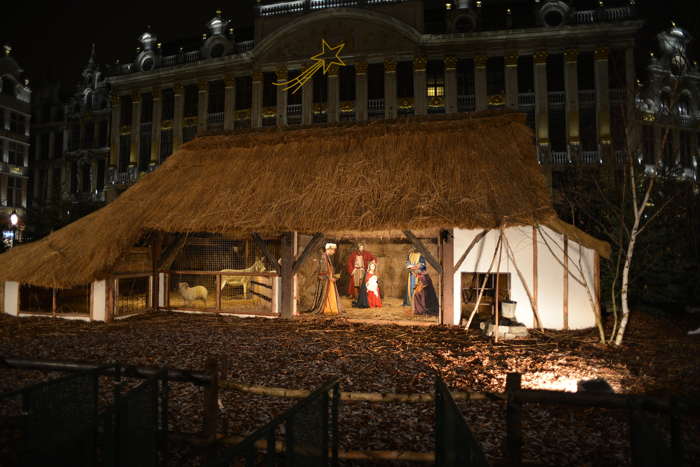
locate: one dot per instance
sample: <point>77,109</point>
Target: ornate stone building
<point>15,98</point>
<point>569,68</point>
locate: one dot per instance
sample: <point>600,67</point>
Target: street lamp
<point>14,219</point>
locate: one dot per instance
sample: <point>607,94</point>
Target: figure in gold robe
<point>330,303</point>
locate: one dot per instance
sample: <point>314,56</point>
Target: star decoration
<point>329,56</point>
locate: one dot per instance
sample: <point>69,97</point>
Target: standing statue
<point>425,301</point>
<point>330,300</point>
<point>369,296</point>
<point>356,267</point>
<point>414,261</point>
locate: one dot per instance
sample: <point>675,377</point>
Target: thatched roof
<point>467,171</point>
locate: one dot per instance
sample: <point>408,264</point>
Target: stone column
<point>573,132</point>
<point>630,76</point>
<point>93,176</point>
<point>481,98</point>
<point>23,198</point>
<point>229,102</point>
<point>52,144</point>
<point>602,102</point>
<point>135,131</point>
<point>281,75</point>
<point>178,114</point>
<point>390,96</point>
<point>4,150</point>
<point>511,77</point>
<point>156,127</point>
<point>3,189</point>
<point>202,106</point>
<point>420,86</point>
<point>333,98</point>
<point>542,110</point>
<point>450,85</point>
<point>361,91</point>
<point>307,101</point>
<point>114,137</point>
<point>256,105</point>
<point>7,119</point>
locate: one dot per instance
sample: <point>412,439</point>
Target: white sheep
<point>190,294</point>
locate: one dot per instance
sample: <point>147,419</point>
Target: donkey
<point>231,279</point>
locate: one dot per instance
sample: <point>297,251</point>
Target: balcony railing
<point>560,158</point>
<point>245,46</point>
<point>557,98</point>
<point>526,99</point>
<point>466,102</point>
<point>193,56</point>
<point>590,157</point>
<point>294,109</point>
<point>299,6</point>
<point>216,117</point>
<point>604,15</point>
<point>124,178</point>
<point>586,97</point>
<point>375,106</point>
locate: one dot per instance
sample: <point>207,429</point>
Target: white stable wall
<point>99,300</point>
<point>550,265</point>
<point>11,298</point>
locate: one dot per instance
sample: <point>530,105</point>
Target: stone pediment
<point>362,36</point>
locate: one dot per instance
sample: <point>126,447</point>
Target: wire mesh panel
<point>133,295</point>
<point>455,443</point>
<point>216,272</point>
<point>135,425</point>
<point>310,433</point>
<point>35,299</point>
<point>75,300</point>
<point>56,424</point>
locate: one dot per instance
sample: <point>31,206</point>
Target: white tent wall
<point>550,274</point>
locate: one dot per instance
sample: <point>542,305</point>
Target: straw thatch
<point>467,171</point>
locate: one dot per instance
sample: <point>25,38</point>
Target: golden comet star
<point>324,60</point>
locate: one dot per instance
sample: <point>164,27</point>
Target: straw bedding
<point>466,171</point>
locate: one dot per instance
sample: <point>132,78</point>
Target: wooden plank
<point>260,243</point>
<point>423,250</point>
<point>513,420</point>
<point>171,252</point>
<point>313,244</point>
<point>566,282</point>
<point>596,277</point>
<point>287,275</point>
<point>473,243</point>
<point>447,282</point>
<point>53,302</point>
<point>535,277</point>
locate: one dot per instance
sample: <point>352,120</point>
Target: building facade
<point>570,70</point>
<point>15,98</point>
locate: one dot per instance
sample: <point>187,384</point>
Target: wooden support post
<point>218,292</point>
<point>498,290</point>
<point>447,283</point>
<point>211,406</point>
<point>596,277</point>
<point>423,250</point>
<point>514,439</point>
<point>156,250</point>
<point>260,243</point>
<point>535,278</point>
<point>171,252</point>
<point>287,275</point>
<point>109,299</point>
<point>53,302</point>
<point>310,248</point>
<point>566,282</point>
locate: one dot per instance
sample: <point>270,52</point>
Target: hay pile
<point>467,171</point>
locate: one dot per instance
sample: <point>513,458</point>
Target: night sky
<point>51,40</point>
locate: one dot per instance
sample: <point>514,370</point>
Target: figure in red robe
<point>357,265</point>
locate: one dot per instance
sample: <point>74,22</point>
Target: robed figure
<point>356,267</point>
<point>330,300</point>
<point>414,261</point>
<point>425,301</point>
<point>369,296</point>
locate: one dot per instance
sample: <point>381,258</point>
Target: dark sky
<point>51,39</point>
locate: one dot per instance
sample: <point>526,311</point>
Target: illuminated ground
<point>658,357</point>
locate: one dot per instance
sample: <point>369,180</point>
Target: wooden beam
<point>171,252</point>
<point>566,282</point>
<point>476,240</point>
<point>287,248</point>
<point>447,283</point>
<point>535,278</point>
<point>423,250</point>
<point>260,243</point>
<point>313,244</point>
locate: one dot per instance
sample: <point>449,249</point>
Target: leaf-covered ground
<point>658,357</point>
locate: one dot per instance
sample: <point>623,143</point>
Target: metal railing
<point>466,102</point>
<point>310,434</point>
<point>124,178</point>
<point>526,99</point>
<point>299,6</point>
<point>245,46</point>
<point>603,15</point>
<point>216,117</point>
<point>192,57</point>
<point>590,157</point>
<point>57,420</point>
<point>136,426</point>
<point>556,98</point>
<point>560,157</point>
<point>375,106</point>
<point>455,445</point>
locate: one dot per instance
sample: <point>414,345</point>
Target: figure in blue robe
<point>414,261</point>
